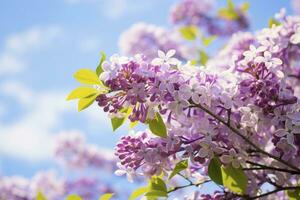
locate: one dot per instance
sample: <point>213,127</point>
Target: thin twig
<point>237,131</point>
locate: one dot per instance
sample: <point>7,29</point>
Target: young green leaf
<point>133,124</point>
<point>157,126</point>
<point>87,76</point>
<point>82,92</point>
<point>245,6</point>
<point>118,122</point>
<point>107,196</point>
<point>234,179</point>
<point>156,193</point>
<point>158,184</point>
<point>208,40</point>
<point>83,103</point>
<point>73,197</point>
<point>293,194</point>
<point>182,165</point>
<point>189,32</point>
<point>138,192</point>
<point>99,69</point>
<point>203,57</point>
<point>273,22</point>
<point>214,170</point>
<point>40,196</point>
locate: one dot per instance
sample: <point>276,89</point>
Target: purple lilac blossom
<point>253,90</point>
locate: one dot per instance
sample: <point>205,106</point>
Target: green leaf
<point>87,76</point>
<point>229,15</point>
<point>207,41</point>
<point>138,192</point>
<point>118,122</point>
<point>157,184</point>
<point>182,165</point>
<point>40,196</point>
<point>203,57</point>
<point>272,22</point>
<point>107,196</point>
<point>133,124</point>
<point>73,197</point>
<point>156,193</point>
<point>214,170</point>
<point>245,6</point>
<point>234,179</point>
<point>99,69</point>
<point>157,126</point>
<point>85,102</point>
<point>293,194</point>
<point>189,32</point>
<point>82,92</point>
<point>230,5</point>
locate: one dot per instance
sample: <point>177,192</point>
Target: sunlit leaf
<point>73,197</point>
<point>293,194</point>
<point>273,22</point>
<point>107,196</point>
<point>87,76</point>
<point>245,6</point>
<point>99,69</point>
<point>157,126</point>
<point>234,179</point>
<point>214,170</point>
<point>118,122</point>
<point>82,92</point>
<point>189,32</point>
<point>133,124</point>
<point>156,193</point>
<point>138,192</point>
<point>208,40</point>
<point>182,165</point>
<point>203,57</point>
<point>83,103</point>
<point>40,196</point>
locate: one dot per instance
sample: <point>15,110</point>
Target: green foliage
<point>273,22</point>
<point>157,188</point>
<point>138,192</point>
<point>99,68</point>
<point>245,6</point>
<point>234,179</point>
<point>118,122</point>
<point>157,126</point>
<point>293,194</point>
<point>82,92</point>
<point>214,170</point>
<point>107,196</point>
<point>73,197</point>
<point>203,57</point>
<point>229,12</point>
<point>189,32</point>
<point>206,41</point>
<point>182,165</point>
<point>40,196</point>
<point>87,76</point>
<point>85,102</point>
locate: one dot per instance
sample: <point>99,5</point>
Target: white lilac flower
<point>232,158</point>
<point>165,59</point>
<point>295,38</point>
<point>252,53</point>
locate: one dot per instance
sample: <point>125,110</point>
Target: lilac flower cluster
<point>148,38</point>
<point>72,152</point>
<point>296,6</point>
<point>198,12</point>
<point>244,111</point>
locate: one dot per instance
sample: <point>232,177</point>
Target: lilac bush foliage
<point>234,121</point>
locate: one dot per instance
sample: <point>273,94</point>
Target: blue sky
<point>42,43</point>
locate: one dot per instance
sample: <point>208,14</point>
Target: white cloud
<point>31,136</point>
<point>18,91</point>
<point>19,44</point>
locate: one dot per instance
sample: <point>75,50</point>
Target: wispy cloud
<point>90,45</point>
<point>31,136</point>
<point>18,45</point>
